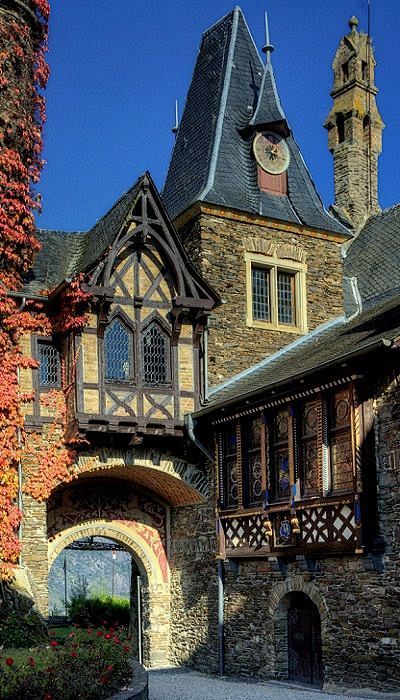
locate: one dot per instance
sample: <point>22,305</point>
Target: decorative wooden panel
<point>340,439</point>
<point>246,531</point>
<point>280,455</point>
<point>310,485</point>
<point>252,464</point>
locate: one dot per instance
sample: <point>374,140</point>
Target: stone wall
<point>194,587</point>
<point>215,242</point>
<point>359,620</point>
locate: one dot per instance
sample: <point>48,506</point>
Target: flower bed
<point>89,664</point>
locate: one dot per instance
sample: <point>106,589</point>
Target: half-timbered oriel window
<point>307,444</point>
<point>49,364</point>
<point>118,352</point>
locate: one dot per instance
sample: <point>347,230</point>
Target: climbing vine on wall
<point>23,75</point>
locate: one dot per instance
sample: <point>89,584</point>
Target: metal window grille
<point>154,356</point>
<point>285,284</point>
<point>261,302</point>
<point>49,365</point>
<point>118,351</point>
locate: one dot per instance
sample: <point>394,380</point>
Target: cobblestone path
<point>176,684</point>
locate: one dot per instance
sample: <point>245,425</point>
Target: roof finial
<point>176,125</point>
<point>268,48</point>
<point>353,23</point>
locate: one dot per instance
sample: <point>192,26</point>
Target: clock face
<point>271,152</point>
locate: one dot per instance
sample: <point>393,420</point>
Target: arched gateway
<point>123,495</point>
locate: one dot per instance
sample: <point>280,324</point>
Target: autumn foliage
<point>23,75</point>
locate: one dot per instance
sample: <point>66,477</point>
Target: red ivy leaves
<point>23,73</point>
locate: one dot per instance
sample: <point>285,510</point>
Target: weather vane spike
<point>268,48</point>
<point>176,125</point>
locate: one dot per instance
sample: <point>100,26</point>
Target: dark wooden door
<point>304,641</point>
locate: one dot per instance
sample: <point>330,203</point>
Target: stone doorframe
<point>278,609</point>
<point>156,591</point>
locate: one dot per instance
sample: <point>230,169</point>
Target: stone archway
<point>300,620</point>
<point>156,588</point>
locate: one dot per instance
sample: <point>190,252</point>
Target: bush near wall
<point>89,665</point>
<point>99,610</point>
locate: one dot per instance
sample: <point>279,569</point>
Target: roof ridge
<point>221,19</point>
<point>299,341</point>
<point>222,107</point>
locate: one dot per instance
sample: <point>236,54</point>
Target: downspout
<point>205,361</point>
<point>190,425</point>
<point>19,442</point>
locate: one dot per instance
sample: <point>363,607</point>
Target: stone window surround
<point>275,264</point>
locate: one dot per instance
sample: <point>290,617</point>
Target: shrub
<point>99,610</point>
<point>21,630</point>
<point>89,665</point>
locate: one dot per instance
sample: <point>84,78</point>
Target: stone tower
<point>355,128</point>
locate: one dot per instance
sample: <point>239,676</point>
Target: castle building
<point>239,360</point>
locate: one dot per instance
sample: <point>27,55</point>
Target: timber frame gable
<point>139,360</point>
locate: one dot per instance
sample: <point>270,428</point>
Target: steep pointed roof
<point>212,158</point>
<point>269,109</point>
<point>64,255</point>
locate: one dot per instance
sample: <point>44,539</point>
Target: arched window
<point>340,127</point>
<point>155,356</point>
<point>118,352</point>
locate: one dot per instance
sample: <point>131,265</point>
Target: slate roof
<point>64,255</point>
<point>212,158</point>
<point>373,257</point>
<point>324,347</point>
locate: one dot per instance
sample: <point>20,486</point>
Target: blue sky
<point>117,67</point>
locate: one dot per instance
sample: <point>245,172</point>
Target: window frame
<point>132,378</point>
<point>275,265</point>
<point>162,328</point>
<point>45,340</point>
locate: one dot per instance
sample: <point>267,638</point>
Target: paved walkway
<point>188,685</point>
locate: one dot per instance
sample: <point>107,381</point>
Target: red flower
<point>53,643</point>
<point>109,668</point>
<point>9,661</point>
<point>74,655</point>
<point>99,634</point>
<point>49,669</point>
<point>31,661</point>
<point>117,641</point>
<point>48,696</point>
<point>107,636</point>
<point>111,630</point>
<point>103,680</point>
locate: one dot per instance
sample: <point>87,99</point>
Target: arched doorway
<point>120,512</point>
<point>304,644</point>
<point>299,624</point>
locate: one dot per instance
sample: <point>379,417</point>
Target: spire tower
<point>355,128</point>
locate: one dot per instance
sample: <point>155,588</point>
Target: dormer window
<point>118,352</point>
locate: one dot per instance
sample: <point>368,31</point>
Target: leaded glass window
<point>155,356</point>
<point>118,352</point>
<point>285,288</point>
<point>280,454</point>
<point>261,294</point>
<point>341,453</point>
<point>309,449</point>
<point>49,365</point>
<point>252,462</point>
